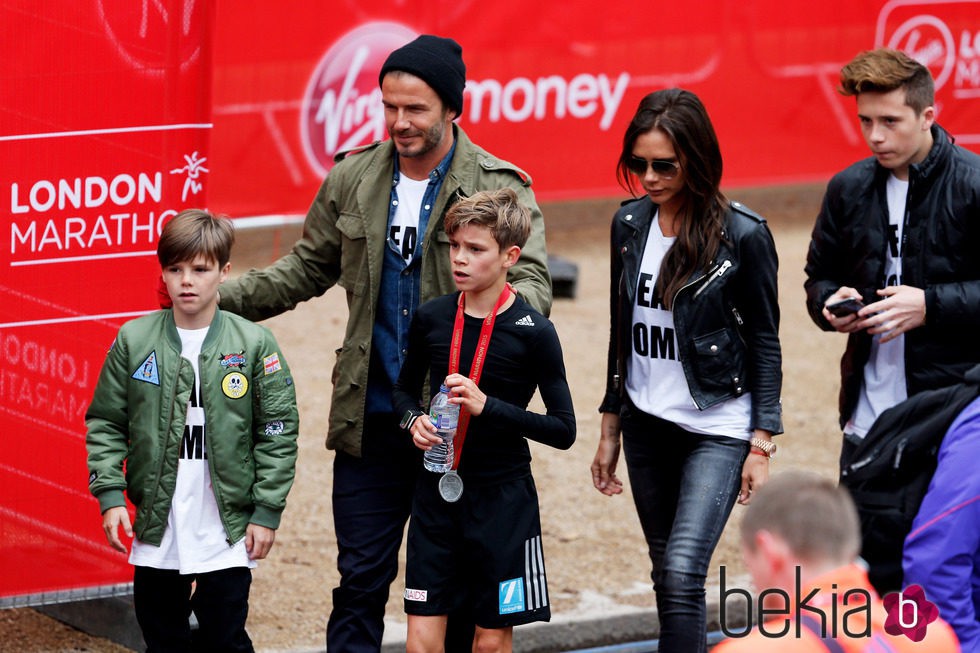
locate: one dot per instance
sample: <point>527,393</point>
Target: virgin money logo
<point>342,105</point>
<point>938,34</point>
<point>928,40</point>
<point>909,613</point>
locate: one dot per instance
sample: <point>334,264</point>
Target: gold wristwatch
<point>767,446</point>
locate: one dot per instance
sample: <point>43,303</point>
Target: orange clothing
<point>842,600</point>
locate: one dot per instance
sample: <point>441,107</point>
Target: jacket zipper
<point>218,496</point>
<point>739,323</point>
<point>620,356</point>
<point>623,289</point>
<point>673,304</point>
<point>163,456</point>
<point>738,316</point>
<point>717,274</point>
<point>693,282</point>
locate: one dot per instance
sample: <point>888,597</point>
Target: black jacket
<point>940,254</point>
<point>726,318</point>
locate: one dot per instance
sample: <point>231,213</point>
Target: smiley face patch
<point>234,385</point>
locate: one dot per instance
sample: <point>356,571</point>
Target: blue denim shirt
<point>399,296</point>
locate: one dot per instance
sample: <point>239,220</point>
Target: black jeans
<point>372,500</point>
<point>163,602</point>
<point>684,486</point>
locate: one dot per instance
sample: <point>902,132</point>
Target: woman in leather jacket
<point>694,367</point>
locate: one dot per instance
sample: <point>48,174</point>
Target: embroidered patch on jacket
<point>271,363</point>
<point>147,371</point>
<point>234,385</point>
<point>274,428</point>
<point>235,360</point>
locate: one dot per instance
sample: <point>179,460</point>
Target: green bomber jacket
<point>343,243</point>
<point>139,408</point>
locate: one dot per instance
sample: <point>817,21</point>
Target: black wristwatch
<point>409,418</point>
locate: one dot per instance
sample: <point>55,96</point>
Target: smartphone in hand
<point>845,307</point>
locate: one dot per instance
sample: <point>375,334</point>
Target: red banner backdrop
<point>104,128</point>
<point>551,85</point>
<point>105,131</point>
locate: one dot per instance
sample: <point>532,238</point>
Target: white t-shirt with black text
<point>884,373</point>
<point>403,234</point>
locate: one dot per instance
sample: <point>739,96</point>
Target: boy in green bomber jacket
<point>199,406</point>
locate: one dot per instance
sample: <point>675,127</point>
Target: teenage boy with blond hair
<point>492,350</point>
<point>198,407</point>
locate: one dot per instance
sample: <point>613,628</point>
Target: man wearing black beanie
<point>435,60</point>
<point>376,228</point>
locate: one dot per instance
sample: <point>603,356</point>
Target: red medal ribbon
<point>479,357</point>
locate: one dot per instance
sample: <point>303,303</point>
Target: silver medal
<point>450,487</point>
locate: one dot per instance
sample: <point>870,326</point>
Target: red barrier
<point>105,131</point>
<point>105,118</point>
<point>552,85</point>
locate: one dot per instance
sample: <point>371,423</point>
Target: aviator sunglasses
<point>662,167</point>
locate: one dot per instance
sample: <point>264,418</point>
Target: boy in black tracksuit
<point>485,548</point>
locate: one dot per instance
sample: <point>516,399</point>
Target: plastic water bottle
<point>444,416</point>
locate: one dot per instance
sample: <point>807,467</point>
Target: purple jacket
<point>942,552</point>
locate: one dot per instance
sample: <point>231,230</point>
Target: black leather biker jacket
<point>726,318</point>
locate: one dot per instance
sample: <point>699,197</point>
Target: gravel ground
<point>596,556</point>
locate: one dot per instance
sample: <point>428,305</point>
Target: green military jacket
<point>139,408</point>
<point>343,243</point>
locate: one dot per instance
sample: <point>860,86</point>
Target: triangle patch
<point>147,372</point>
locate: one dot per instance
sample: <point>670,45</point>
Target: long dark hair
<point>680,115</point>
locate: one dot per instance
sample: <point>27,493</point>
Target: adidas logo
<point>525,321</point>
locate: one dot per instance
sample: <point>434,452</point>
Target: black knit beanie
<point>435,60</point>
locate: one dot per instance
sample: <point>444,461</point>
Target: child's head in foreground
<point>798,518</point>
<point>508,220</point>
